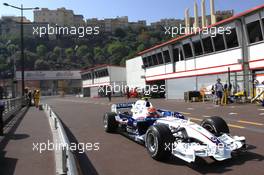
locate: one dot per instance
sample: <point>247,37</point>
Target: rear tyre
<point>110,123</point>
<point>216,125</point>
<point>159,142</point>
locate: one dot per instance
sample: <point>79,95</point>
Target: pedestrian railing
<point>9,108</point>
<point>64,158</point>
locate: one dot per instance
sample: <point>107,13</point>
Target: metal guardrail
<point>67,164</point>
<point>8,108</point>
<point>11,106</point>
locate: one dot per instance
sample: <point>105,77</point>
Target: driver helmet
<point>152,111</point>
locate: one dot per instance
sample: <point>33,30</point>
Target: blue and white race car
<point>166,133</point>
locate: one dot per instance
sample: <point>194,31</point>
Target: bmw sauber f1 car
<point>166,133</point>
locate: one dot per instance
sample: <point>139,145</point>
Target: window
<point>263,21</point>
<point>160,59</point>
<point>181,55</point>
<point>150,61</point>
<point>155,60</point>
<point>104,73</point>
<point>95,74</point>
<point>207,43</point>
<point>176,55</point>
<point>254,32</point>
<point>219,42</point>
<point>101,73</point>
<point>197,47</point>
<point>231,39</point>
<point>166,55</point>
<point>90,76</point>
<point>145,61</point>
<point>107,74</point>
<point>84,77</point>
<point>187,50</point>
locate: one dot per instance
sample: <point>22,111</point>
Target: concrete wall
<point>117,74</point>
<point>134,73</point>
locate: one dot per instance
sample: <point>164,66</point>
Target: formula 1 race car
<point>166,133</point>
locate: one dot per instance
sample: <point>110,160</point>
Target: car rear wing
<point>116,107</point>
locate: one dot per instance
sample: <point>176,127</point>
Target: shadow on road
<point>7,165</point>
<point>85,165</point>
<point>204,167</point>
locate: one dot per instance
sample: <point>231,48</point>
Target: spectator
<point>37,98</point>
<point>109,93</point>
<point>219,89</point>
<point>127,92</point>
<point>1,92</point>
<point>29,96</point>
<point>33,96</point>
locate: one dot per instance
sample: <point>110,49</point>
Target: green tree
<point>117,51</point>
<point>120,33</point>
<point>99,55</point>
<point>12,48</point>
<point>117,48</point>
<point>41,50</point>
<point>69,53</point>
<point>82,51</point>
<point>41,64</point>
<point>141,47</point>
<point>57,51</point>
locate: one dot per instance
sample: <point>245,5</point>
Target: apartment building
<point>60,16</point>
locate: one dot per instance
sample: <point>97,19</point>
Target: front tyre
<point>216,125</point>
<point>159,142</point>
<point>110,123</point>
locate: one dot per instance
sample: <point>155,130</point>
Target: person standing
<point>37,98</point>
<point>29,96</point>
<point>219,89</point>
<point>2,108</point>
<point>109,93</point>
<point>127,92</point>
<point>1,92</point>
<point>33,96</point>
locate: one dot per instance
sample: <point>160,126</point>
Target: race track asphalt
<point>118,155</point>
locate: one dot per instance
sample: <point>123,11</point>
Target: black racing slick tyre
<point>216,125</point>
<point>159,142</point>
<point>110,123</point>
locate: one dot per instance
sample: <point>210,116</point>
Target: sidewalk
<point>18,157</point>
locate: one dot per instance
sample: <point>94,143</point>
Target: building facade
<point>135,73</point>
<point>195,61</point>
<point>96,79</point>
<point>111,24</point>
<point>159,25</point>
<point>60,16</point>
<point>171,22</point>
<point>10,25</point>
<point>51,82</point>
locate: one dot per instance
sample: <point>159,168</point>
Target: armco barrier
<point>64,158</point>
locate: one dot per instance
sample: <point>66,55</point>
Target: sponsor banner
<point>50,75</point>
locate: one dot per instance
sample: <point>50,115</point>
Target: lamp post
<point>22,42</point>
